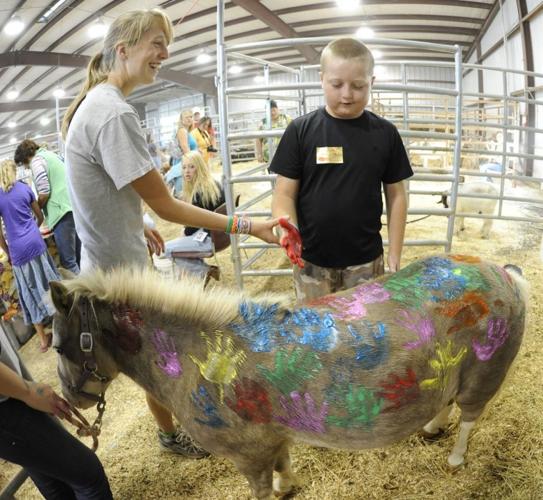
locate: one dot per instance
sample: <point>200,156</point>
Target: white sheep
<point>475,205</point>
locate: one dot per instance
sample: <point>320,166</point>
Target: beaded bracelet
<point>238,225</point>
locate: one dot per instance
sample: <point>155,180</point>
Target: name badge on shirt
<point>330,155</point>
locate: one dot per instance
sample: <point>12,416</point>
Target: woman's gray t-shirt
<point>9,357</point>
<point>105,151</point>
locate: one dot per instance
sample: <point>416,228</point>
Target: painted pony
<point>247,376</point>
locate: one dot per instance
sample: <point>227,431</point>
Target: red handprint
<point>251,403</point>
<point>291,241</point>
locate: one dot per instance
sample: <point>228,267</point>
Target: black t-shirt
<point>197,202</point>
<point>341,165</point>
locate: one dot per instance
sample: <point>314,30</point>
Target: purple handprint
<point>165,347</point>
<point>353,307</point>
<point>303,417</point>
<point>496,334</point>
<point>421,325</point>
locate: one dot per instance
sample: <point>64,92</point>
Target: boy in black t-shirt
<point>331,164</point>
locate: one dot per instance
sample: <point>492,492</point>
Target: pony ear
<point>61,300</point>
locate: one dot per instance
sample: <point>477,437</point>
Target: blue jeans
<point>60,465</point>
<point>68,243</point>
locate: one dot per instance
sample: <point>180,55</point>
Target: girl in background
<point>33,267</point>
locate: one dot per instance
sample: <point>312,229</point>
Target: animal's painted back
<point>357,369</point>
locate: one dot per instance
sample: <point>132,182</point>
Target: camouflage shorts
<point>314,281</point>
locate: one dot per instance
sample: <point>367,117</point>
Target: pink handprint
<point>165,347</point>
<point>421,325</point>
<point>303,416</point>
<point>497,333</point>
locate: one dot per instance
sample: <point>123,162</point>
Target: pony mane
<point>146,289</point>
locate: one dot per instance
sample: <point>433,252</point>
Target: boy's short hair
<point>347,48</point>
<point>273,104</point>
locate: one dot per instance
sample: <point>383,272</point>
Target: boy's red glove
<point>292,242</point>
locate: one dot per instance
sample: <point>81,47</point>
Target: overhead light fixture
<point>14,26</point>
<point>12,124</point>
<point>49,13</point>
<point>348,4</point>
<point>377,54</point>
<point>203,57</point>
<point>365,32</point>
<point>235,69</point>
<point>12,140</point>
<point>97,29</point>
<point>59,92</point>
<point>44,121</point>
<point>12,94</point>
<point>259,79</point>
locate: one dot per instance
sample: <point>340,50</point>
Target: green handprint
<point>222,362</point>
<point>362,405</point>
<point>291,369</point>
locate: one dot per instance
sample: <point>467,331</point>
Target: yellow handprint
<point>222,362</point>
<point>442,366</point>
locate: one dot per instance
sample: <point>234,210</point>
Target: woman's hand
<point>42,397</point>
<point>291,241</point>
<point>264,230</point>
<point>154,240</point>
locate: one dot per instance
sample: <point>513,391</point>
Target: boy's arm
<point>284,198</point>
<point>396,202</point>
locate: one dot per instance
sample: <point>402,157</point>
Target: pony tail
<point>95,75</point>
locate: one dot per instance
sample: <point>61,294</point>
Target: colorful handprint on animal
<point>251,402</point>
<point>204,402</point>
<point>422,326</point>
<point>167,355</point>
<point>291,369</point>
<point>442,366</point>
<point>222,362</point>
<point>497,333</point>
<point>302,413</point>
<point>361,405</point>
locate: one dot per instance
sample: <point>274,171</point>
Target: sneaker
<point>180,442</point>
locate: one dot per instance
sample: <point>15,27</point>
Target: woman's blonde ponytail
<point>95,75</point>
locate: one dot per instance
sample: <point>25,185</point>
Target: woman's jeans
<point>60,465</point>
<point>68,243</point>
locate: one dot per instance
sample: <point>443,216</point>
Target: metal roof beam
<point>265,15</point>
<point>32,58</point>
<point>13,107</point>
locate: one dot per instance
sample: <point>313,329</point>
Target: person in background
<point>201,190</point>
<point>60,465</point>
<point>203,139</point>
<point>49,174</point>
<point>185,142</point>
<point>331,164</point>
<point>196,114</point>
<point>110,172</point>
<point>33,267</point>
<point>279,120</point>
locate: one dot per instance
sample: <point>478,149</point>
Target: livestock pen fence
<point>444,123</point>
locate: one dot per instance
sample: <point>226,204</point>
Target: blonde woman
<point>110,170</point>
<point>201,190</point>
<point>202,138</point>
<point>184,128</point>
<point>33,267</point>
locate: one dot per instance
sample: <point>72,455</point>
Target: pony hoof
<point>455,461</point>
<point>432,436</point>
<point>282,490</point>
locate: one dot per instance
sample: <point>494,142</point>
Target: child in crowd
<point>33,267</point>
<point>331,164</point>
